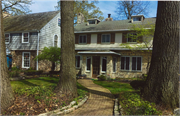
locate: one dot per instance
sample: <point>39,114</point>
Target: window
<point>25,37</point>
<point>136,63</point>
<point>55,41</point>
<point>26,60</point>
<point>59,22</point>
<point>82,39</point>
<point>88,63</point>
<point>125,61</point>
<point>114,64</point>
<point>132,37</point>
<point>105,38</point>
<point>92,22</point>
<point>77,61</point>
<point>137,19</point>
<point>7,38</point>
<point>104,63</point>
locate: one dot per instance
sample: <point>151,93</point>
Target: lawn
<point>34,96</point>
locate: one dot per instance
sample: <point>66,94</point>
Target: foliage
<point>16,7</point>
<point>14,69</point>
<point>84,7</point>
<point>129,8</point>
<point>102,78</point>
<point>132,104</point>
<point>14,73</point>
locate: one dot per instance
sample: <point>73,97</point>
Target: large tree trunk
<point>6,93</point>
<point>162,84</point>
<point>67,83</point>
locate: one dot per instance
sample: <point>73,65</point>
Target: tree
<point>67,83</point>
<point>6,93</point>
<point>52,54</point>
<point>162,84</point>
<point>16,7</point>
<point>139,32</point>
<point>84,7</point>
<point>129,8</point>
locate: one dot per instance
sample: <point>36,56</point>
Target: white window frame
<point>90,63</point>
<point>79,61</point>
<point>109,38</point>
<point>137,17</point>
<point>125,64</point>
<point>5,38</point>
<point>23,37</point>
<point>54,40</point>
<point>79,39</point>
<point>132,41</point>
<point>136,63</point>
<point>115,65</point>
<point>23,59</point>
<point>102,64</point>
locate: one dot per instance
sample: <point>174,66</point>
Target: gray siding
<point>47,33</point>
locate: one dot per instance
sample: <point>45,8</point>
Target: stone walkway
<point>100,101</point>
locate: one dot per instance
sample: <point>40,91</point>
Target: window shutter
<point>99,39</point>
<point>76,39</point>
<point>88,38</point>
<point>124,37</point>
<point>140,39</point>
<point>112,38</point>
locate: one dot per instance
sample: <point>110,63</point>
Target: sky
<point>107,7</point>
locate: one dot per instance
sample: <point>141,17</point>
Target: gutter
<point>109,49</point>
<point>37,51</point>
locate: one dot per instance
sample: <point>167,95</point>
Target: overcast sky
<point>107,7</point>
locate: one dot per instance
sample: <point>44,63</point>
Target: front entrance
<point>95,66</point>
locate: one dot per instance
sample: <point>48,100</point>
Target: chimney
<point>109,18</point>
<point>80,18</point>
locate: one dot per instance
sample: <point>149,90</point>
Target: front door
<point>95,66</point>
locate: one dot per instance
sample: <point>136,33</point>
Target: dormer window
<point>7,38</point>
<point>136,18</point>
<point>92,22</point>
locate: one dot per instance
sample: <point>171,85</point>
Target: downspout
<point>37,51</point>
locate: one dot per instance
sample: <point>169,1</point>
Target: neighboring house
<point>27,35</point>
<point>99,50</point>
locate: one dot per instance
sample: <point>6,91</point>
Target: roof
<point>29,22</point>
<point>99,52</point>
<point>111,25</point>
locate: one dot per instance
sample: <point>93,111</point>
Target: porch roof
<point>98,52</point>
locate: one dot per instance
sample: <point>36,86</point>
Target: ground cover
<point>34,96</point>
<point>129,99</point>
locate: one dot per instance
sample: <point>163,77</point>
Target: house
<point>27,35</point>
<point>99,51</point>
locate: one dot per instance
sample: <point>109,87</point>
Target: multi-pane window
<point>105,38</point>
<point>88,63</point>
<point>82,39</point>
<point>136,63</point>
<point>132,37</point>
<point>137,19</point>
<point>25,38</point>
<point>114,64</point>
<point>55,41</point>
<point>26,60</point>
<point>125,61</point>
<point>77,61</point>
<point>91,21</point>
<point>104,64</point>
<point>7,38</point>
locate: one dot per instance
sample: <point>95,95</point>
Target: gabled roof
<point>29,22</point>
<point>111,25</point>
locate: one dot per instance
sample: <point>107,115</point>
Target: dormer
<point>137,18</point>
<point>93,21</point>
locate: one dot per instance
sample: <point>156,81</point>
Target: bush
<point>137,84</point>
<point>33,72</point>
<point>15,69</point>
<point>102,78</point>
<point>14,74</point>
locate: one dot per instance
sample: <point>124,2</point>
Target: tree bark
<point>162,84</point>
<point>67,84</point>
<point>6,93</point>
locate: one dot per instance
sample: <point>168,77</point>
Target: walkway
<point>100,101</point>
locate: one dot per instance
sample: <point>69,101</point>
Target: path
<point>100,101</point>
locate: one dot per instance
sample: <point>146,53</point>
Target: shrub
<point>15,69</point>
<point>137,84</point>
<point>102,78</point>
<point>14,73</point>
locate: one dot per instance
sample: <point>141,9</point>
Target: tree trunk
<point>67,84</point>
<point>162,84</point>
<point>6,93</point>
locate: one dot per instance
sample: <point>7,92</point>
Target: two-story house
<point>99,50</point>
<point>27,35</point>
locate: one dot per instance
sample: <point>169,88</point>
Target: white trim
<point>23,37</point>
<point>86,64</point>
<point>86,39</point>
<point>115,65</point>
<point>109,38</point>
<point>23,59</point>
<point>5,38</point>
<point>37,66</point>
<point>102,63</point>
<point>57,39</point>
<point>89,52</point>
